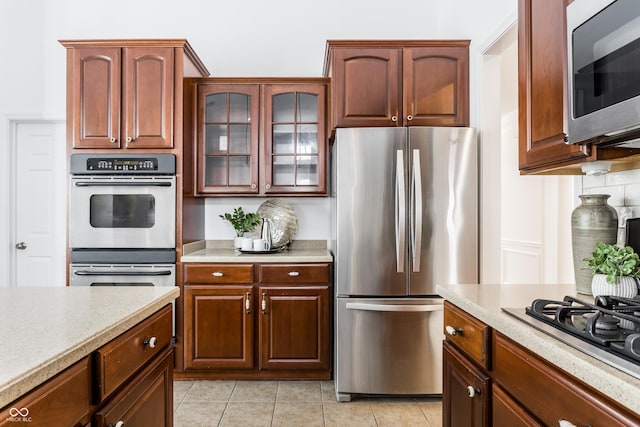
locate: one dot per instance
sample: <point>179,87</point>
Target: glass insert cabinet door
<point>228,138</point>
<point>295,146</point>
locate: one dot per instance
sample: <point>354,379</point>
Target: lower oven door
<point>122,212</point>
<point>122,275</point>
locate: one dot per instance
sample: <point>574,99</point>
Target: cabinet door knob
<point>253,186</point>
<point>452,331</point>
<point>472,391</point>
<point>21,246</point>
<point>112,139</point>
<point>565,423</point>
<point>152,342</point>
<point>129,139</point>
<point>268,186</point>
<point>294,273</point>
<point>394,118</point>
<point>217,274</point>
<point>409,117</point>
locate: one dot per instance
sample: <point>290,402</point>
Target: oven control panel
<point>97,164</point>
<point>88,164</point>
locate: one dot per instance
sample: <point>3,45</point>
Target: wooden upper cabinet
<point>258,136</point>
<point>366,87</point>
<point>227,138</point>
<point>127,93</point>
<point>398,83</point>
<point>148,94</point>
<point>542,83</point>
<point>436,86</point>
<point>294,138</point>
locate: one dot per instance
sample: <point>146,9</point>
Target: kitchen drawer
<point>119,359</point>
<point>550,394</point>
<point>64,400</point>
<point>218,273</point>
<point>468,333</point>
<point>295,273</point>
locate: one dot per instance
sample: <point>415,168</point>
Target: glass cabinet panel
<point>294,130</point>
<point>229,138</point>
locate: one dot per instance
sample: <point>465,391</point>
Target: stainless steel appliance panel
<point>122,212</point>
<point>122,275</point>
<point>371,218</point>
<point>389,346</point>
<point>443,207</point>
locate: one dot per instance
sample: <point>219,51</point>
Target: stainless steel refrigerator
<point>405,218</point>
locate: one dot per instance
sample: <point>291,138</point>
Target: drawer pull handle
<point>247,303</point>
<point>294,273</point>
<point>453,331</point>
<point>217,274</point>
<point>152,342</point>
<point>264,303</point>
<point>472,391</point>
<point>118,424</point>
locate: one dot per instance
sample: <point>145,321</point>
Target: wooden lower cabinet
<point>507,412</point>
<point>279,326</point>
<point>146,401</point>
<point>129,379</point>
<point>294,327</point>
<point>219,326</point>
<point>513,386</point>
<point>466,391</point>
<point>64,400</point>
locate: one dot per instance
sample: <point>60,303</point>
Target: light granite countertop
<point>45,330</point>
<point>223,251</point>
<point>485,302</point>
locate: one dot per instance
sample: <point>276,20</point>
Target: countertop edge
<point>29,380</point>
<point>614,383</point>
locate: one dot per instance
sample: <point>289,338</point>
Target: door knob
<point>21,246</point>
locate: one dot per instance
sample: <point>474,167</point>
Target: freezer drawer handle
<point>394,307</point>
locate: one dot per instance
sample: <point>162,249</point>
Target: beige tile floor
<point>293,403</point>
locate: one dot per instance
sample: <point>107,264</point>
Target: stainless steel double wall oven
<point>122,219</point>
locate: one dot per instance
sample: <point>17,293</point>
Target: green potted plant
<point>242,222</point>
<point>615,269</point>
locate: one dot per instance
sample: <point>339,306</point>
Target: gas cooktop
<point>607,329</point>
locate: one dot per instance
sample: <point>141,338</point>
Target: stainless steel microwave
<point>603,44</point>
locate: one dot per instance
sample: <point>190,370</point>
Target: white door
<point>39,193</point>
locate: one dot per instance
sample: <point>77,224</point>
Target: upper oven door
<point>603,44</point>
<point>122,212</point>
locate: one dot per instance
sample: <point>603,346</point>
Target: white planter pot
<point>237,242</point>
<point>625,286</point>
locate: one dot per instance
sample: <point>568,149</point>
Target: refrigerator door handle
<point>394,307</point>
<point>400,213</point>
<point>416,211</point>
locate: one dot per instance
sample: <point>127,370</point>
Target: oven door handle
<point>122,273</point>
<point>123,184</point>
